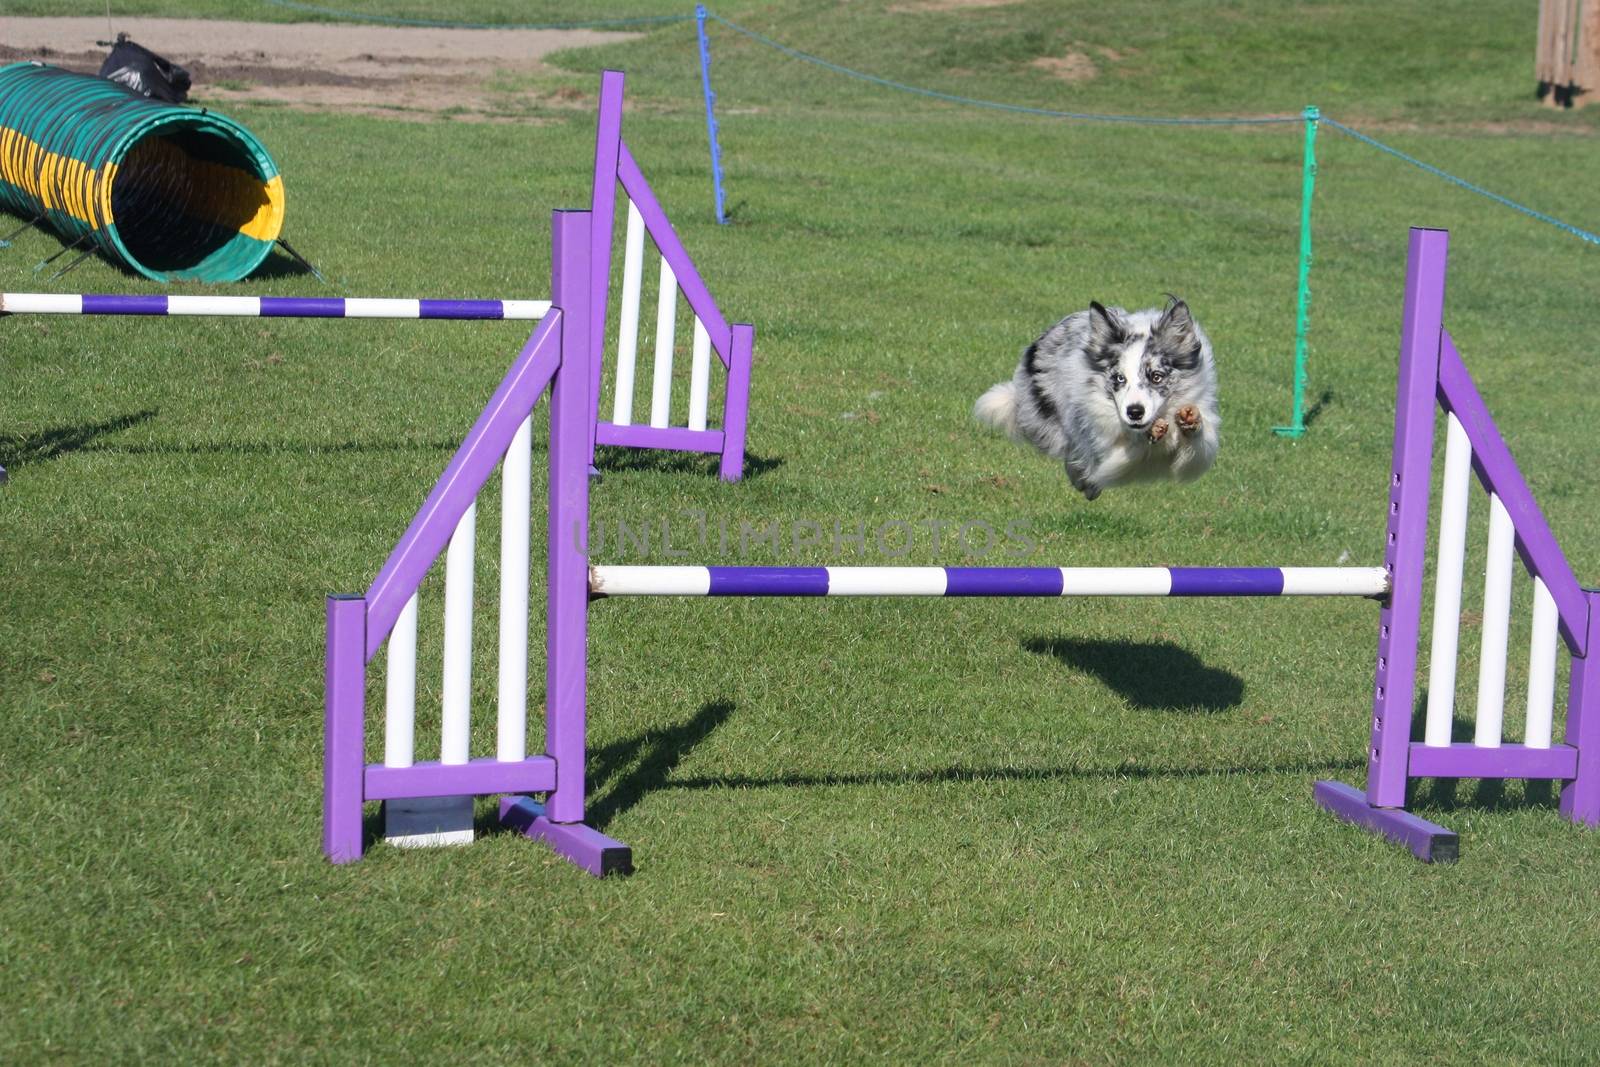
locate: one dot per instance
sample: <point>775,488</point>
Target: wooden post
<point>1567,62</point>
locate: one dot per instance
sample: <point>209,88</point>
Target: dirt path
<point>403,72</point>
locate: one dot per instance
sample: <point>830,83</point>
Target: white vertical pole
<point>1496,626</point>
<point>400,690</point>
<point>628,325</point>
<point>666,327</point>
<point>515,516</point>
<point>455,741</point>
<point>1541,668</point>
<point>1447,583</point>
<point>700,376</point>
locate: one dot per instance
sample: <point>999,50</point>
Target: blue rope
<point>1463,183</point>
<point>990,104</point>
<point>711,111</point>
<point>1152,121</point>
<point>952,98</point>
<point>355,16</point>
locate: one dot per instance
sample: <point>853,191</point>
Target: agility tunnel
<point>171,192</point>
<point>558,358</point>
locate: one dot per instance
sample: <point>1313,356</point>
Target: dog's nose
<point>1135,412</point>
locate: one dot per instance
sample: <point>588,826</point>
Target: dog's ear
<point>1106,328</point>
<point>1175,321</point>
<point>1177,336</point>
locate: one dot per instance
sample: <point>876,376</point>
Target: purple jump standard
<point>556,357</point>
<point>560,360</point>
<point>1432,375</point>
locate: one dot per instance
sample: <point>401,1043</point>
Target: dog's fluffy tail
<point>997,408</point>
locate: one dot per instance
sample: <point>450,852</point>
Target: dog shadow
<point>1149,675</point>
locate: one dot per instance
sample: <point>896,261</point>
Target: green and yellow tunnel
<point>173,192</point>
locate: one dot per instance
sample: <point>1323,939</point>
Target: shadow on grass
<point>938,776</point>
<point>1150,675</point>
<point>658,754</point>
<point>21,450</point>
<point>276,265</point>
<point>652,757</point>
<point>610,458</point>
<point>620,775</point>
<point>1487,794</point>
<point>272,448</point>
<point>624,772</point>
<point>279,265</point>
<point>1315,410</point>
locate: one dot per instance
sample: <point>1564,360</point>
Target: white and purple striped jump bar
<point>269,307</point>
<point>988,581</point>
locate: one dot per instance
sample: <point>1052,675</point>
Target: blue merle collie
<point>1118,396</point>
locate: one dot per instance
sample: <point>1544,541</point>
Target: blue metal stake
<point>711,114</point>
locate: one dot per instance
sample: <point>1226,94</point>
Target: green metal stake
<point>1302,315</point>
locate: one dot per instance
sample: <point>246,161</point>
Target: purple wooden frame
<point>734,344</point>
<point>1432,372</point>
<point>558,355</point>
<point>563,353</point>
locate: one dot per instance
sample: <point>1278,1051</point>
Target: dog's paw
<point>1158,429</point>
<point>1188,418</point>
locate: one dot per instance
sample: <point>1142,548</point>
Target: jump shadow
<point>1150,675</point>
<point>1487,794</point>
<point>652,757</point>
<point>624,772</point>
<point>21,450</point>
<point>613,786</point>
<point>609,458</point>
<point>942,775</point>
<point>272,448</point>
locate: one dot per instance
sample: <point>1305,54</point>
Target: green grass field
<point>891,830</point>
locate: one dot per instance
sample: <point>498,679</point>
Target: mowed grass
<point>878,829</point>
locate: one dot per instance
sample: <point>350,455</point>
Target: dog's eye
<point>1117,381</point>
<point>1155,377</point>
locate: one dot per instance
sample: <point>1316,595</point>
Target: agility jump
<point>560,356</point>
<point>676,275</point>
